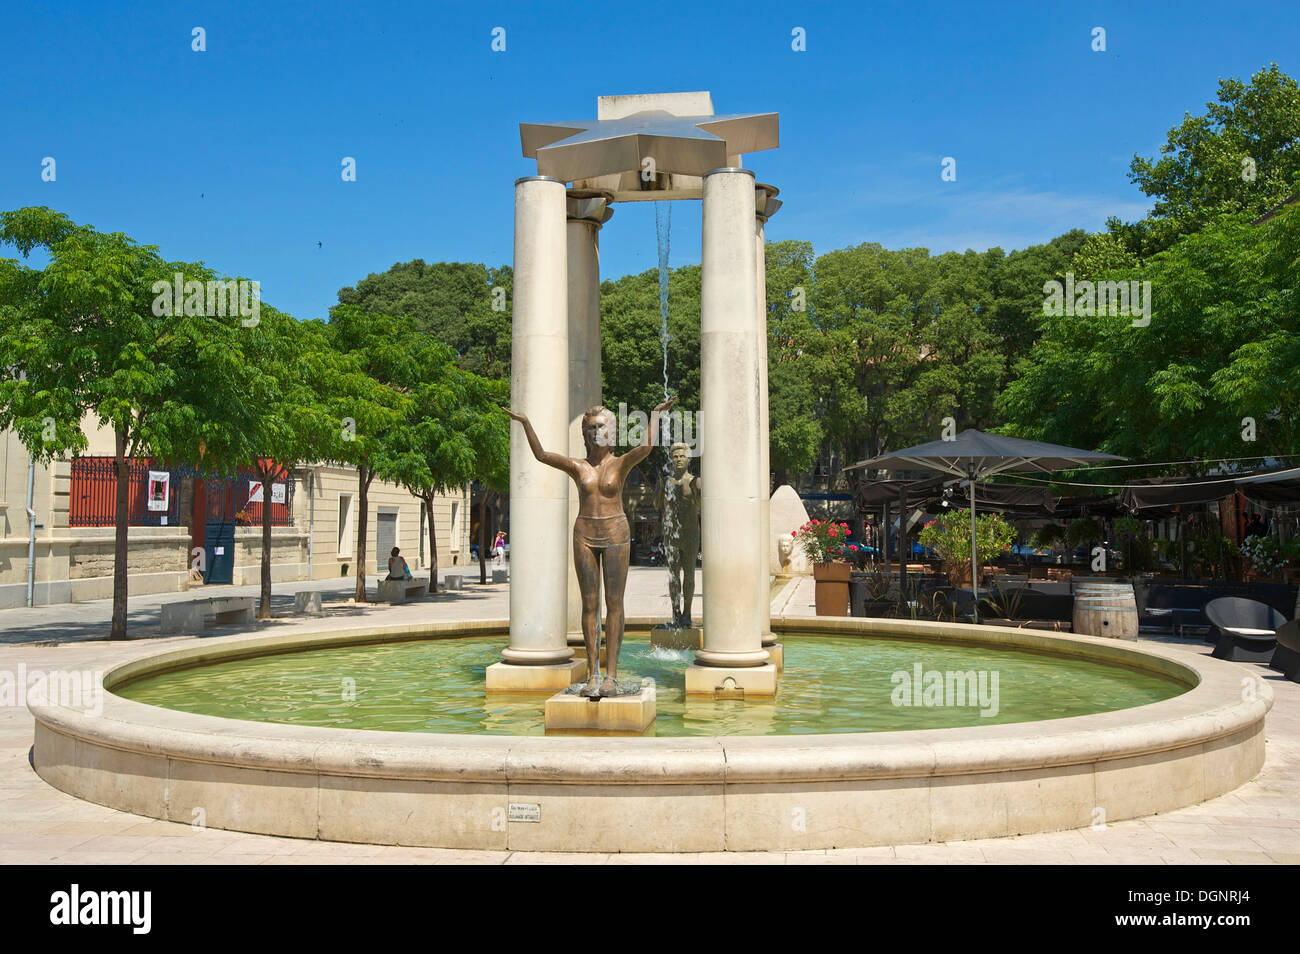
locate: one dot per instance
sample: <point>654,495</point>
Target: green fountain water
<point>830,685</point>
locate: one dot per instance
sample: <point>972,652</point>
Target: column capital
<point>590,206</point>
<point>765,200</point>
<point>739,169</point>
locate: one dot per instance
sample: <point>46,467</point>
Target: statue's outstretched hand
<point>521,418</point>
<point>667,404</point>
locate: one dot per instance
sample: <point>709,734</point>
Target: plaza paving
<point>1258,823</point>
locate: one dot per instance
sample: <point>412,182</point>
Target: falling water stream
<point>663,225</point>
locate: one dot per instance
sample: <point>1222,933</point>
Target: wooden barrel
<point>1105,609</point>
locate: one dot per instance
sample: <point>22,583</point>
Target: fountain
<point>878,732</point>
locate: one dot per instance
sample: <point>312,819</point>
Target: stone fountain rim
<point>1213,707</point>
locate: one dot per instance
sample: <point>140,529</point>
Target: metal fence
<point>152,502</point>
<point>155,491</point>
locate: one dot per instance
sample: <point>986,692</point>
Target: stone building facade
<point>75,563</point>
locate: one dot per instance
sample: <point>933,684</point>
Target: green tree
<point>1242,155</point>
<point>88,334</point>
<point>279,417</point>
<point>373,367</point>
<point>456,431</point>
<point>466,306</point>
<point>1223,345</point>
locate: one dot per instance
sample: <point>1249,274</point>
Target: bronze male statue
<point>602,541</point>
<point>678,500</point>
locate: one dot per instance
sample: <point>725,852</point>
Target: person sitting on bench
<point>397,568</point>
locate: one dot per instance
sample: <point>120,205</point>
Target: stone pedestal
<point>509,677</point>
<point>633,714</point>
<point>676,637</point>
<point>725,680</point>
<point>776,652</point>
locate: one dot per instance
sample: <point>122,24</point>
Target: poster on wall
<point>159,489</point>
<point>255,492</point>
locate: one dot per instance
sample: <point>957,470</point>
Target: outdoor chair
<point>1242,624</point>
<point>1286,658</point>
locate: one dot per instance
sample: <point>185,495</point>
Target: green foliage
<point>451,301</point>
<point>949,536</point>
<point>1199,175</point>
<point>1223,345</point>
<point>1081,532</point>
<point>1135,545</point>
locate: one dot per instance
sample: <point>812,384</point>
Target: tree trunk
<point>121,522</point>
<point>363,493</point>
<point>264,611</point>
<point>482,538</point>
<point>433,544</point>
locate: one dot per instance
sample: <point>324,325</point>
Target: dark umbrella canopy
<point>974,454</point>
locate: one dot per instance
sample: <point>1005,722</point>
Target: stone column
<point>538,657</point>
<point>732,656</point>
<point>587,211</point>
<point>766,204</point>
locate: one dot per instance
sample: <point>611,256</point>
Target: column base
<point>566,711</point>
<point>776,652</point>
<point>742,681</point>
<point>769,639</point>
<point>669,636</point>
<point>509,677</point>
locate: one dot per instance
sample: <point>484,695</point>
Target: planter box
<point>832,588</point>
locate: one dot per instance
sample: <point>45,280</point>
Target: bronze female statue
<point>602,541</point>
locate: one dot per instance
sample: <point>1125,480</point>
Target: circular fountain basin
<point>837,760</point>
<point>834,684</point>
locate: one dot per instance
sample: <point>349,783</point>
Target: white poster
<point>255,492</point>
<point>159,489</point>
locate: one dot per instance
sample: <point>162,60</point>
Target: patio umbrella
<point>975,455</point>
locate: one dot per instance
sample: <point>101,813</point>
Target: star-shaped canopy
<point>683,145</point>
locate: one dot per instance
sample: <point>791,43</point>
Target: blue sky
<point>233,155</point>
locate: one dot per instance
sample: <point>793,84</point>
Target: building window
<point>347,526</point>
<point>455,526</point>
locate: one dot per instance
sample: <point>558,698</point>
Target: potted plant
<point>1134,545</point>
<point>1268,557</point>
<point>949,537</point>
<point>824,543</point>
<point>874,595</point>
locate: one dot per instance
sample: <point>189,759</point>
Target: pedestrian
<point>499,548</point>
<point>397,568</point>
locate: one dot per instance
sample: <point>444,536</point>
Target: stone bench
<point>399,591</point>
<point>500,576</point>
<point>194,616</point>
<point>453,581</point>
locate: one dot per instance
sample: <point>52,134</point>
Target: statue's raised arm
<point>642,450</point>
<point>550,458</point>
